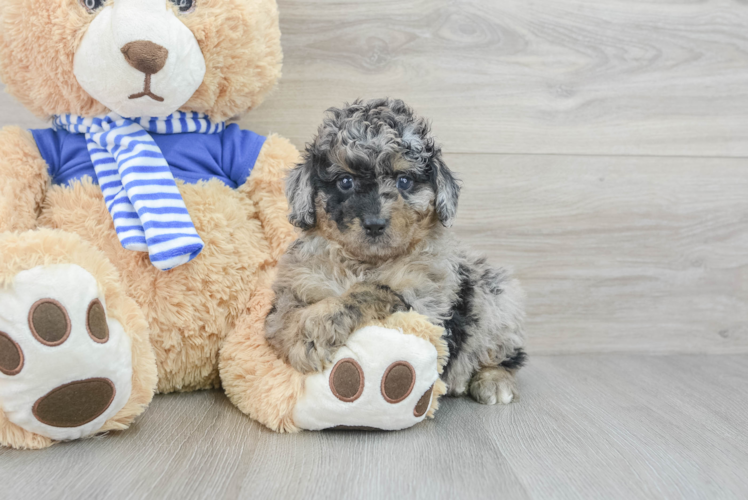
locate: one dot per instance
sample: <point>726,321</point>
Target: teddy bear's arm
<point>266,188</point>
<point>23,180</point>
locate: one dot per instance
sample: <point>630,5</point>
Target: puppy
<point>373,198</point>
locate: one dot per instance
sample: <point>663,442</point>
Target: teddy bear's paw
<point>65,366</point>
<point>381,379</point>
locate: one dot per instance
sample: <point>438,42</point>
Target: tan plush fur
<point>200,325</point>
<point>191,308</point>
<point>267,388</point>
<point>25,180</point>
<point>178,319</point>
<point>37,46</point>
<point>239,39</point>
<point>30,249</point>
<point>266,189</point>
<point>257,382</point>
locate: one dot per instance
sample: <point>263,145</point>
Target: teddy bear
<point>140,232</point>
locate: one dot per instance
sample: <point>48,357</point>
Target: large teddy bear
<point>139,234</point>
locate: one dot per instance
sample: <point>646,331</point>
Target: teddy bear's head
<point>139,57</point>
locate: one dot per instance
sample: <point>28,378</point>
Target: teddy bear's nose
<point>145,56</point>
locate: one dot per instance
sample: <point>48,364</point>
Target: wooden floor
<point>587,426</point>
<point>603,146</point>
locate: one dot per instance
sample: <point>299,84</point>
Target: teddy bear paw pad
<point>65,366</point>
<point>381,379</point>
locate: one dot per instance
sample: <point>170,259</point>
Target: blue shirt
<point>228,156</point>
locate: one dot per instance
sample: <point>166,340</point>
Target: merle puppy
<point>373,198</point>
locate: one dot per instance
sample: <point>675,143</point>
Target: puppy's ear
<point>447,190</point>
<point>300,194</point>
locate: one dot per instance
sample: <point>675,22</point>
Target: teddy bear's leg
<point>386,377</point>
<point>75,359</point>
<point>255,380</point>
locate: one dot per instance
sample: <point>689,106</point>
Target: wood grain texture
<point>663,77</point>
<point>605,426</point>
<point>616,253</point>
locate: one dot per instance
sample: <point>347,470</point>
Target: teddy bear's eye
<point>184,6</point>
<point>92,5</point>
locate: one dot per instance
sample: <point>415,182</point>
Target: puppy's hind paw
<point>492,386</point>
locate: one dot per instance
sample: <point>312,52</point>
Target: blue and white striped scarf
<point>139,189</point>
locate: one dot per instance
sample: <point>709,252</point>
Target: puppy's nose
<point>374,227</point>
<point>145,56</point>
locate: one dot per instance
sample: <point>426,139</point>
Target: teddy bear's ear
<point>300,194</point>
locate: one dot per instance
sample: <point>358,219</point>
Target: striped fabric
<point>139,189</point>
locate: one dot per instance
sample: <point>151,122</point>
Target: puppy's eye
<point>404,182</point>
<point>185,6</point>
<point>92,5</point>
<point>345,183</point>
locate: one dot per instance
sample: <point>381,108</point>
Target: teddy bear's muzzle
<point>145,56</point>
<point>149,58</point>
<point>139,46</point>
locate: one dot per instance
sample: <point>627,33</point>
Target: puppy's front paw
<point>308,356</point>
<point>374,301</point>
<point>322,338</point>
<point>399,304</point>
<point>493,385</point>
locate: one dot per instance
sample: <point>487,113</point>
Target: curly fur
<point>339,275</point>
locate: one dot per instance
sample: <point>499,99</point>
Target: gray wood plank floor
<point>591,426</point>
